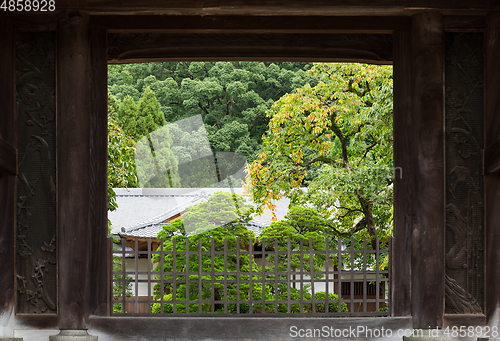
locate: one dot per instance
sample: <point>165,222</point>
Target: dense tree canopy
<point>343,126</point>
<point>231,97</point>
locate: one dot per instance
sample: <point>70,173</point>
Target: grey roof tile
<point>141,211</point>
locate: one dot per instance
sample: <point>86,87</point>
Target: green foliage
<point>121,170</point>
<point>230,209</point>
<point>127,113</point>
<point>219,221</point>
<point>342,127</point>
<point>118,286</point>
<point>157,167</point>
<point>231,97</point>
<point>332,305</point>
<point>225,210</point>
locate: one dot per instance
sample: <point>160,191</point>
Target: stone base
<point>487,339</point>
<point>73,335</point>
<point>11,339</point>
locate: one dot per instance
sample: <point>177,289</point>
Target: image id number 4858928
<point>28,5</point>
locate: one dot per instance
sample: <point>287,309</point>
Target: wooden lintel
<point>248,24</point>
<point>277,7</point>
<point>137,47</point>
<point>464,22</point>
<point>8,158</point>
<point>492,158</point>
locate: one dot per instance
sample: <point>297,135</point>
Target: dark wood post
<point>492,180</point>
<point>73,169</point>
<point>8,131</point>
<point>401,261</point>
<point>428,197</point>
<point>99,174</point>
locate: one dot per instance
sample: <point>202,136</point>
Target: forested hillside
<point>231,97</point>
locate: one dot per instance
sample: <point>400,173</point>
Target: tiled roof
<point>150,231</point>
<point>142,211</point>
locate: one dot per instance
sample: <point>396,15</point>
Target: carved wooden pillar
<point>492,173</point>
<point>7,176</point>
<point>403,142</point>
<point>73,169</point>
<point>427,266</point>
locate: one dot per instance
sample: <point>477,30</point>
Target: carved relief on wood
<point>36,203</point>
<point>464,284</point>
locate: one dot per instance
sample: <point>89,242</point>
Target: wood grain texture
<point>38,322</point>
<point>492,158</point>
<point>427,266</point>
<point>134,47</point>
<point>249,24</point>
<point>73,165</point>
<point>464,320</point>
<point>401,262</point>
<point>242,329</point>
<point>8,158</point>
<point>99,175</point>
<point>464,22</point>
<point>275,7</point>
<point>7,182</point>
<point>492,180</point>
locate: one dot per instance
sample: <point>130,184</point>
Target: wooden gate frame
<point>417,286</point>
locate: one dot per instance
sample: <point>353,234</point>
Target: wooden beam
<point>492,158</point>
<point>428,196</point>
<point>140,47</point>
<point>249,24</point>
<point>8,158</point>
<point>73,169</point>
<point>276,7</point>
<point>464,22</point>
<point>8,199</point>
<point>234,328</point>
<point>400,303</point>
<point>492,180</point>
<point>99,174</point>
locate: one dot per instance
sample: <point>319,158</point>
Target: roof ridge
<point>159,218</point>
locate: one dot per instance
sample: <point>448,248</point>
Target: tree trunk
<point>367,206</point>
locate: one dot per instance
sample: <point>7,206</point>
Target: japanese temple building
<point>54,251</point>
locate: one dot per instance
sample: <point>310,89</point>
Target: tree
<point>121,148</point>
<point>155,161</point>
<point>343,126</point>
<point>221,219</point>
<point>121,173</point>
<point>140,120</point>
<point>223,93</point>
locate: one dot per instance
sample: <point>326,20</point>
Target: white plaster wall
<point>142,287</point>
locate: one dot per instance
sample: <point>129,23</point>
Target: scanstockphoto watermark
<point>330,332</point>
<point>385,172</point>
